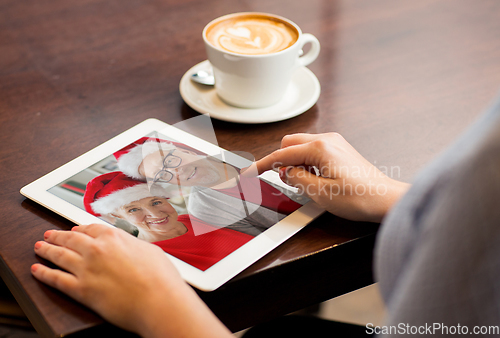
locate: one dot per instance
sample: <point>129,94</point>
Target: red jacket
<point>203,251</point>
<point>267,196</point>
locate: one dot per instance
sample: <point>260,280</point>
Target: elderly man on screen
<point>219,195</point>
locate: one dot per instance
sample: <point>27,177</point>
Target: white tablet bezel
<point>217,274</point>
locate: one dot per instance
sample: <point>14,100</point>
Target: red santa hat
<point>130,158</point>
<point>108,192</point>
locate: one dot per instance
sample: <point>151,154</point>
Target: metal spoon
<point>205,76</point>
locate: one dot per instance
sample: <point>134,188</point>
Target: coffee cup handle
<point>313,53</point>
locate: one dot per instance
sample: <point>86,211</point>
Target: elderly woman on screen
<point>196,242</point>
<point>114,194</point>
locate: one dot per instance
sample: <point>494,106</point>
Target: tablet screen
<point>196,207</point>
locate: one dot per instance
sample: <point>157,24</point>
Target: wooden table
<point>400,80</point>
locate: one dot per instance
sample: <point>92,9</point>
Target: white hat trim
<point>129,163</point>
<point>112,202</point>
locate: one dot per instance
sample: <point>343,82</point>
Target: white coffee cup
<point>256,81</point>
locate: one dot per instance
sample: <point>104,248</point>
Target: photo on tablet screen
<point>195,207</point>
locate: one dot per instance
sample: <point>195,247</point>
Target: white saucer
<point>301,94</point>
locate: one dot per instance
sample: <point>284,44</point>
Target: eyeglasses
<point>170,161</point>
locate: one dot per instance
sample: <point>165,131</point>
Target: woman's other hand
<point>129,282</point>
<point>332,173</point>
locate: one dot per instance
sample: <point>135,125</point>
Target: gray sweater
<point>437,257</point>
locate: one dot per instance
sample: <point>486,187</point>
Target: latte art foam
<point>251,35</point>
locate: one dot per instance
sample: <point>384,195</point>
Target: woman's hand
<point>347,185</point>
<point>129,282</point>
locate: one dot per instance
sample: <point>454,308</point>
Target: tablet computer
<point>182,193</point>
